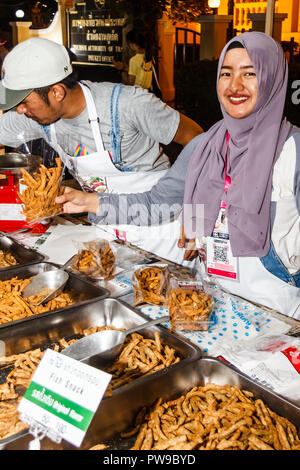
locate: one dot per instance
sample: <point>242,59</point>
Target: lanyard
<point>227,181</point>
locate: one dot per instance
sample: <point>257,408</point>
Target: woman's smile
<point>237,99</point>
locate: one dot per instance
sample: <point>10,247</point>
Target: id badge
<point>220,260</point>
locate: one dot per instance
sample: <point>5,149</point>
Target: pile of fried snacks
<point>98,261</point>
<point>189,308</point>
<point>7,259</point>
<point>14,307</point>
<point>17,380</point>
<point>140,357</point>
<point>213,417</point>
<point>150,285</point>
<point>42,188</point>
<point>9,420</point>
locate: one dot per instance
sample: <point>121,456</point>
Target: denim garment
<point>274,265</point>
<point>115,136</point>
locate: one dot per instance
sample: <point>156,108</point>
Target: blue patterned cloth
<point>232,320</point>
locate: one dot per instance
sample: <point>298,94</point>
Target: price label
<point>64,395</point>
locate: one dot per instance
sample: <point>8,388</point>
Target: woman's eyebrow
<point>242,67</point>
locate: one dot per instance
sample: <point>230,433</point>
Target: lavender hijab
<point>255,144</point>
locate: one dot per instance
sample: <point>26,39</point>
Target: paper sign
<point>64,395</point>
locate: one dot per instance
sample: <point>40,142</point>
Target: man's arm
<point>16,129</point>
<point>187,130</point>
<point>155,119</point>
<point>154,206</point>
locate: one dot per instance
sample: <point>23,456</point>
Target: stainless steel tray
<point>14,161</point>
<point>84,291</point>
<point>117,413</point>
<point>23,255</point>
<point>45,331</point>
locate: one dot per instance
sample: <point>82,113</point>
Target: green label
<point>60,406</point>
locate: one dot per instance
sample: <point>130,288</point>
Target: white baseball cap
<point>31,64</point>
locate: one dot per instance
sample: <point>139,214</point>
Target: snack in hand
<point>42,188</point>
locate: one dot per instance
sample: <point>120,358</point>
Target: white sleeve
<point>16,129</point>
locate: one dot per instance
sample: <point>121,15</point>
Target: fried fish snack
<point>97,260</point>
<point>139,357</point>
<point>42,188</point>
<point>7,259</point>
<point>9,420</point>
<point>150,285</point>
<point>214,417</point>
<point>98,447</point>
<point>17,381</point>
<point>15,307</point>
<point>189,308</point>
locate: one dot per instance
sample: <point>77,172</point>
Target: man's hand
<point>75,201</point>
<point>191,251</point>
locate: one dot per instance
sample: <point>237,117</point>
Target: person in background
<point>245,172</point>
<point>139,70</point>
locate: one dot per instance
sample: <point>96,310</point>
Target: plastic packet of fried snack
<point>190,304</point>
<point>39,189</point>
<point>150,284</point>
<point>95,259</point>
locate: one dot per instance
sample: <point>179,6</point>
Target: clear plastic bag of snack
<point>95,259</point>
<point>39,189</point>
<point>190,304</point>
<point>150,284</point>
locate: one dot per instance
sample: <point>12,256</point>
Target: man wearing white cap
<point>108,135</point>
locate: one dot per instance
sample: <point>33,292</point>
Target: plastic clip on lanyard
<point>220,261</point>
<point>227,181</point>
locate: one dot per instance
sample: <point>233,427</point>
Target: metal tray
<point>14,161</point>
<point>105,428</point>
<point>23,255</point>
<point>84,291</point>
<point>116,413</point>
<point>109,311</point>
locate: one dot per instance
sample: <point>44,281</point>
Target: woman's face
<point>237,84</point>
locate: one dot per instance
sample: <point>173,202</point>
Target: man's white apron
<point>160,240</point>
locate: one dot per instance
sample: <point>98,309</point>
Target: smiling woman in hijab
<point>245,174</point>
